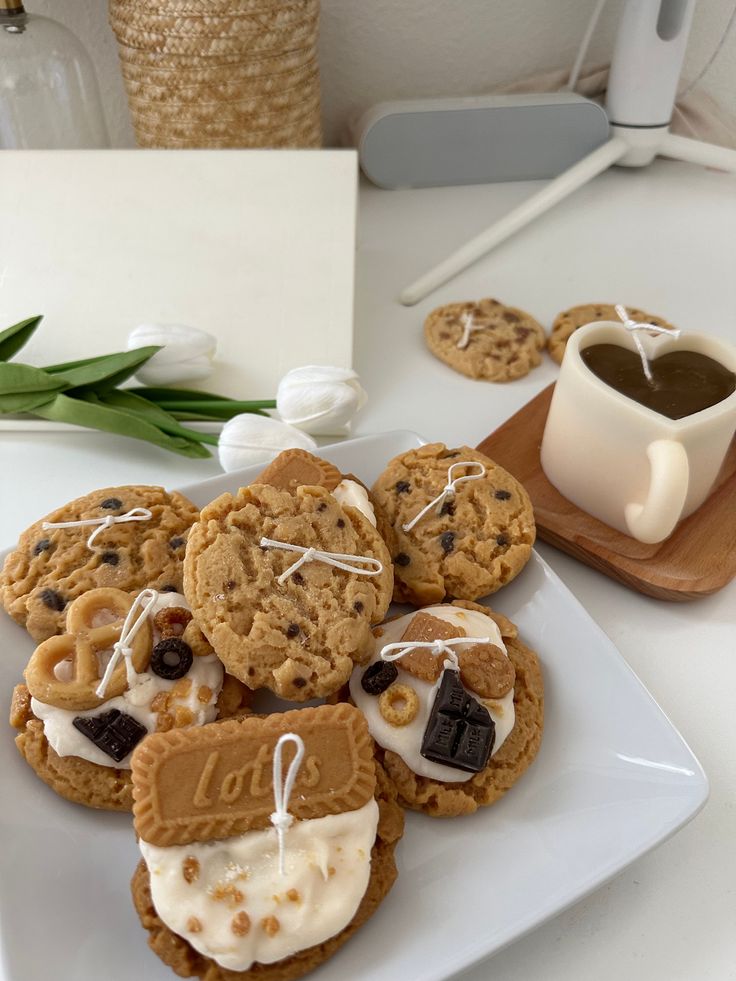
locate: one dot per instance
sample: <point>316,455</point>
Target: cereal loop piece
<point>399,705</point>
<point>485,670</point>
<point>65,671</point>
<point>172,621</point>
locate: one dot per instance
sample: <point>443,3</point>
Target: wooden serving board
<point>699,557</point>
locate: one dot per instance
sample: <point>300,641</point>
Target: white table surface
<point>662,239</point>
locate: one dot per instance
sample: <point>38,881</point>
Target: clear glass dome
<point>49,97</point>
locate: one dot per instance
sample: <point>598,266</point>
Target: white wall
<point>373,50</point>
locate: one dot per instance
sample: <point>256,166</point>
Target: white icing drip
<point>65,740</point>
<point>323,904</point>
<point>352,493</point>
<point>406,740</point>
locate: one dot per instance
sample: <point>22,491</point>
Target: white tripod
<point>642,85</point>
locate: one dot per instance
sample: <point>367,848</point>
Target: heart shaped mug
<point>636,470</point>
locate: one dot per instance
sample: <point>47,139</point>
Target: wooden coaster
<point>699,557</point>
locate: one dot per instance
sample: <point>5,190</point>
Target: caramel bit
<point>164,722</point>
<point>182,688</point>
<point>194,925</point>
<point>160,702</point>
<point>270,925</point>
<point>190,869</point>
<point>240,924</point>
<point>293,895</point>
<point>184,717</point>
<point>204,694</point>
<point>227,893</point>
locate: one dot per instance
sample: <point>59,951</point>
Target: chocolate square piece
<point>460,732</point>
<point>422,663</point>
<point>114,732</point>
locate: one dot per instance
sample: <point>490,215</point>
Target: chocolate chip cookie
<point>295,630</point>
<point>485,339</point>
<point>50,567</point>
<point>587,313</point>
<point>467,545</point>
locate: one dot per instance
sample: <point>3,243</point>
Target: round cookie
<point>587,313</point>
<point>187,962</point>
<point>506,344</point>
<point>51,567</point>
<point>442,799</point>
<point>300,637</point>
<point>478,542</point>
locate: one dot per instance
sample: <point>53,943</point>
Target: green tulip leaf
<point>13,338</point>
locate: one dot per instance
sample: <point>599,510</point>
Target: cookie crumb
<point>270,925</point>
<point>194,925</point>
<point>293,895</point>
<point>190,869</point>
<point>240,924</point>
<point>204,694</point>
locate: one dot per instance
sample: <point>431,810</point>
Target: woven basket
<point>220,73</point>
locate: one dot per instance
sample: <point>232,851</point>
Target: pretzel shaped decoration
<point>65,671</point>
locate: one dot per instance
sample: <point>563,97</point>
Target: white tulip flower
<point>247,439</point>
<point>320,399</point>
<point>186,353</point>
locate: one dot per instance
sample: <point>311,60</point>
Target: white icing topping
<point>352,493</point>
<point>406,740</point>
<point>65,740</point>
<point>327,869</point>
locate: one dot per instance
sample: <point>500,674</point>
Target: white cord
<point>706,67</point>
<point>583,49</point>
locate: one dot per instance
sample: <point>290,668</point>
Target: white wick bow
<point>450,490</point>
<point>135,514</point>
<point>633,326</point>
<point>468,328</point>
<point>392,652</point>
<point>121,648</point>
<point>336,559</point>
<point>281,819</point>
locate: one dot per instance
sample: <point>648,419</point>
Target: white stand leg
<point>693,151</point>
<point>557,189</point>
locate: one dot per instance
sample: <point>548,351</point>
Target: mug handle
<point>655,519</point>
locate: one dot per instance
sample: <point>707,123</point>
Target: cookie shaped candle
<point>454,702</point>
<point>659,415</point>
<point>266,842</point>
<point>124,668</point>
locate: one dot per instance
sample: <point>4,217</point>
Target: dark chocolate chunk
<point>502,495</point>
<point>358,606</point>
<point>299,682</point>
<point>171,658</point>
<point>447,541</point>
<point>42,546</point>
<point>114,732</point>
<point>340,522</point>
<point>298,578</point>
<point>112,504</point>
<point>460,732</point>
<point>378,676</point>
<point>448,508</point>
<point>403,486</point>
<point>110,558</point>
<point>292,630</point>
<point>52,599</point>
<point>177,542</point>
<point>402,559</point>
<point>168,588</point>
<point>502,540</point>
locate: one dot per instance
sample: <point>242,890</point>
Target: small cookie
<point>299,636</point>
<point>587,313</point>
<point>80,743</point>
<point>478,542</point>
<point>464,748</point>
<point>51,567</point>
<point>220,895</point>
<point>485,339</point>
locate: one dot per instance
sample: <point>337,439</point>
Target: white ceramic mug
<point>638,471</point>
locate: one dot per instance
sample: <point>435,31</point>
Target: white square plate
<point>612,780</point>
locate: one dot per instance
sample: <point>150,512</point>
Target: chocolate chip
<point>502,495</point>
<point>403,486</point>
<point>340,522</point>
<point>42,546</point>
<point>171,658</point>
<point>510,318</point>
<point>114,732</point>
<point>449,454</point>
<point>522,333</point>
<point>292,630</point>
<point>52,599</point>
<point>230,584</point>
<point>177,542</point>
<point>112,504</point>
<point>168,588</point>
<point>402,559</point>
<point>447,541</point>
<point>378,676</point>
<point>460,732</point>
<point>358,606</point>
<point>110,558</point>
<point>322,506</point>
<point>444,336</point>
<point>298,578</point>
<point>251,672</point>
<point>299,682</point>
<point>502,540</point>
<point>448,508</point>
